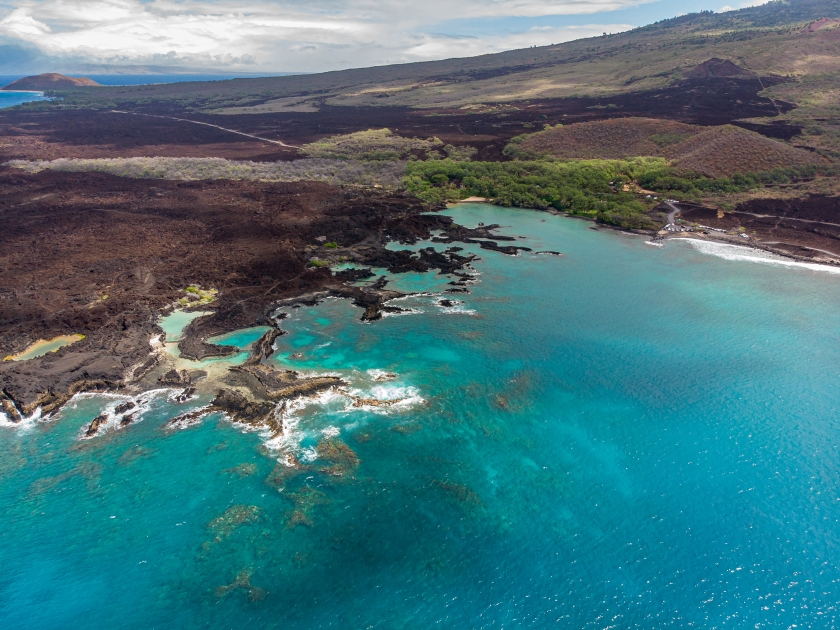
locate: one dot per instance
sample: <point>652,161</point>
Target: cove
<point>623,436</point>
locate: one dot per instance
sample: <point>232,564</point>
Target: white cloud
<point>431,47</point>
<point>745,5</point>
<point>279,35</point>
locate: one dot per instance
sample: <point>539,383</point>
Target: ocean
<point>10,99</point>
<point>624,436</point>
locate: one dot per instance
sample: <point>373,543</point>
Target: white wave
<point>293,434</point>
<point>192,418</point>
<point>654,243</point>
<point>381,375</point>
<point>458,309</point>
<point>330,432</point>
<point>398,397</point>
<point>740,253</point>
<point>405,311</point>
<point>142,404</point>
<point>409,296</point>
<point>308,455</point>
<point>24,423</point>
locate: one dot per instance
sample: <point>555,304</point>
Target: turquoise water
<point>175,322</point>
<point>623,437</point>
<point>10,99</point>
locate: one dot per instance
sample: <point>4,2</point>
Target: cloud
<point>280,35</point>
<point>744,5</point>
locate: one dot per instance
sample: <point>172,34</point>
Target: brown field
<point>713,151</point>
<point>609,139</point>
<point>726,150</point>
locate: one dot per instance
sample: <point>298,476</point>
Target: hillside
<point>726,150</point>
<point>771,39</point>
<point>786,57</point>
<point>719,151</point>
<point>50,81</point>
<point>609,139</point>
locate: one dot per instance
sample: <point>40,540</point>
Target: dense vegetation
<point>592,188</point>
<point>686,185</point>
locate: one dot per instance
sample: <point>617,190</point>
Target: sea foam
<point>740,253</point>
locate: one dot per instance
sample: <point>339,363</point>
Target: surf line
<point>198,122</point>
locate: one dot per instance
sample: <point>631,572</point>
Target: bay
<point>624,436</point>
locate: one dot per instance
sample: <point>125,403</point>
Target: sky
<point>273,36</point>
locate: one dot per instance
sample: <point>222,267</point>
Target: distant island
<point>49,81</point>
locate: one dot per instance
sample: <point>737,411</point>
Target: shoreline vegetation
<point>611,190</point>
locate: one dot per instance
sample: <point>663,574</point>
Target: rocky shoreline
<point>123,349</point>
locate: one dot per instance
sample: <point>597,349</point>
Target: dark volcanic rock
<point>175,377</point>
<point>240,409</point>
<point>510,250</point>
<point>185,395</point>
<point>278,384</point>
<point>93,427</point>
<point>8,407</point>
<point>126,406</point>
<point>263,348</point>
<point>353,275</point>
<point>127,420</point>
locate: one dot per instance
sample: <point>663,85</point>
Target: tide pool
<point>622,437</point>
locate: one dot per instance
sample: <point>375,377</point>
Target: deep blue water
<point>145,79</point>
<point>622,437</point>
<point>10,99</point>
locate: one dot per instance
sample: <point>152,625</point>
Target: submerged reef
<point>236,516</point>
<point>242,581</point>
<point>342,460</point>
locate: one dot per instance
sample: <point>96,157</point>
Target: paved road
<point>674,210</point>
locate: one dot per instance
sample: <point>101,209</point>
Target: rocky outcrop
<point>240,409</point>
<point>263,347</point>
<point>278,384</point>
<point>7,406</point>
<point>175,377</point>
<point>95,425</point>
<point>197,349</point>
<point>126,406</point>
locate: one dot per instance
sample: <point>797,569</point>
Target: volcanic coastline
<point>105,257</point>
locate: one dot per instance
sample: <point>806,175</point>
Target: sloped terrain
<point>726,150</point>
<point>718,151</point>
<point>773,39</point>
<point>608,139</point>
<point>50,81</point>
